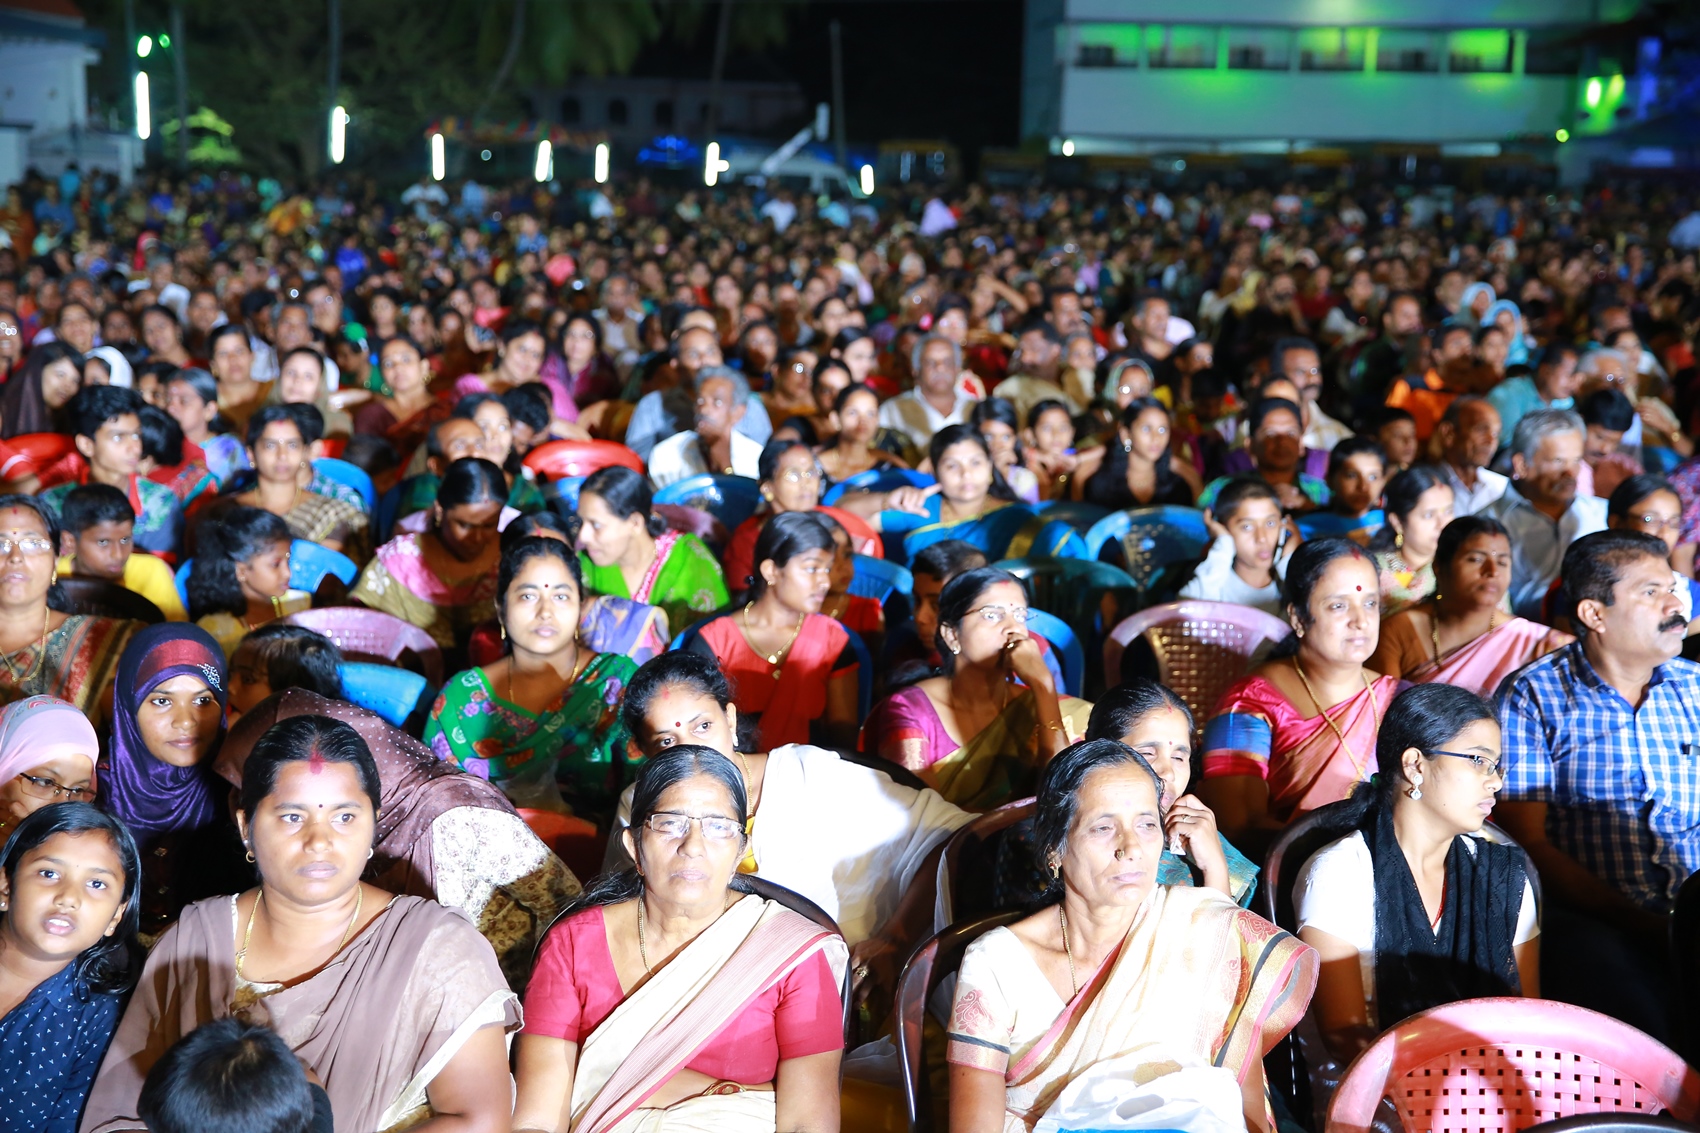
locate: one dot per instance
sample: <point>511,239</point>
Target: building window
<point>1407,51</point>
<point>1554,51</point>
<point>571,111</point>
<point>1259,49</point>
<point>1106,45</point>
<point>1480,52</point>
<point>664,113</point>
<point>1180,45</point>
<point>617,112</point>
<point>1331,49</point>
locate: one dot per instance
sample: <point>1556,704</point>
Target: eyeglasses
<point>1019,614</point>
<point>29,545</point>
<point>1490,768</point>
<point>1659,522</point>
<point>49,791</point>
<point>676,827</point>
<point>800,476</point>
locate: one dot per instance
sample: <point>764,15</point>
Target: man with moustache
<point>1601,780</point>
<point>1541,509</point>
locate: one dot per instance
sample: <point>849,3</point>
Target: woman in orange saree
<point>1299,731</point>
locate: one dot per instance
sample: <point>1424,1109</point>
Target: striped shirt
<point>1622,784</point>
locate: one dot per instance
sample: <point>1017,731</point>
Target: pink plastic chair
<point>1502,1065</point>
<point>373,635</point>
<point>1201,647</point>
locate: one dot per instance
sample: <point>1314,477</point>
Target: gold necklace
<point>1434,628</point>
<point>774,657</point>
<point>643,955</point>
<point>40,656</point>
<point>580,664</point>
<point>248,936</point>
<point>1074,986</point>
<point>1357,765</point>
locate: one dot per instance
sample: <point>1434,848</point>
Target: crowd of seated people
<point>546,667</point>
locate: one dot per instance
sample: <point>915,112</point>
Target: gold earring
<point>250,856</point>
<point>1056,869</point>
<point>1398,540</point>
<point>503,630</point>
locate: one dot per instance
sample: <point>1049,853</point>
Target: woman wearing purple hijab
<point>168,712</point>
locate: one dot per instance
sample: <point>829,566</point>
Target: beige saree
<point>1198,978</point>
<point>654,1032</point>
<point>377,1024</point>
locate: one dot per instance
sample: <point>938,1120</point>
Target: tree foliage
<point>263,68</point>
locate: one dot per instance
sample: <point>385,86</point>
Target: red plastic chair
<point>1201,647</point>
<point>1509,1064</point>
<point>574,840</point>
<point>555,460</point>
<point>374,636</point>
<point>333,447</point>
<point>43,449</point>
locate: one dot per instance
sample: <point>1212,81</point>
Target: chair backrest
<point>1201,647</point>
<point>937,957</point>
<point>309,563</point>
<point>1056,631</point>
<point>801,905</point>
<point>1159,537</point>
<point>352,475</point>
<point>566,490</point>
<point>1078,514</point>
<point>1613,1123</point>
<point>956,899</point>
<point>876,480</point>
<point>43,448</point>
<point>1070,588</point>
<point>555,459</point>
<point>878,578</point>
<point>896,772</point>
<point>103,599</point>
<point>730,499</point>
<point>361,633</point>
<point>390,692</point>
<point>1511,1063</point>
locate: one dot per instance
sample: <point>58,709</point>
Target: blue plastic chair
<point>1070,589</point>
<point>1054,630</point>
<point>730,499</point>
<point>1078,514</point>
<point>878,578</point>
<point>1659,460</point>
<point>392,693</point>
<point>308,565</point>
<point>876,480</point>
<point>1153,537</point>
<point>566,490</point>
<point>351,475</point>
<point>1326,524</point>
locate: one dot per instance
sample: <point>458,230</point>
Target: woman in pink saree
<point>1462,635</point>
<point>1298,732</point>
<point>670,999</point>
<point>1120,986</point>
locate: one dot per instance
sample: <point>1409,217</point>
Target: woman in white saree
<point>668,1001</point>
<point>1120,986</point>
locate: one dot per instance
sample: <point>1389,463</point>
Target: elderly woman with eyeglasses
<point>47,755</point>
<point>982,731</point>
<point>672,997</point>
<point>1412,907</point>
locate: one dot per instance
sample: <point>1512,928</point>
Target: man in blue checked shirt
<point>1602,779</point>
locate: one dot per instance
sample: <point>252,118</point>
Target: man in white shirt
<point>937,400</point>
<point>1297,360</point>
<point>1469,436</point>
<point>715,445</point>
<point>1541,509</point>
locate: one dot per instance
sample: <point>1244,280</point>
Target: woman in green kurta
<point>543,722</point>
<point>628,552</point>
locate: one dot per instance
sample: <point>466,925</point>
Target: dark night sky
<point>919,69</point>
